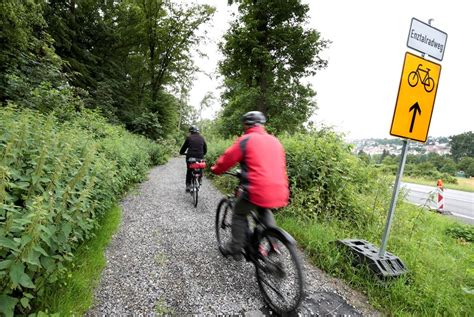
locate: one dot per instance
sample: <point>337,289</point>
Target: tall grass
<point>74,294</point>
<point>439,281</point>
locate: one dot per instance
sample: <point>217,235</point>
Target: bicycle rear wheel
<point>224,214</point>
<point>195,191</point>
<point>279,272</point>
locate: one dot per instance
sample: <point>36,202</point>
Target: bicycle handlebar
<point>235,174</point>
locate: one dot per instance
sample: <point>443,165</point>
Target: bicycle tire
<point>274,265</point>
<point>194,192</point>
<point>414,80</point>
<point>429,85</point>
<point>223,223</point>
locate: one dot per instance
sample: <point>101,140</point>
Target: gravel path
<point>164,259</point>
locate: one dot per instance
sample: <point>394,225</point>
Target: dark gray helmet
<point>193,129</point>
<point>253,117</point>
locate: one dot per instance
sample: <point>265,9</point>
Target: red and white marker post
<point>440,196</point>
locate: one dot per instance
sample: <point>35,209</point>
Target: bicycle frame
<point>270,249</point>
<point>259,227</point>
<point>427,73</point>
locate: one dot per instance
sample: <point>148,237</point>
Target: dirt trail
<point>164,259</point>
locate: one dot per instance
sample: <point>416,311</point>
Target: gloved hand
<point>213,168</point>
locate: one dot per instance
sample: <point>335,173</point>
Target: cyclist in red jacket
<point>264,178</point>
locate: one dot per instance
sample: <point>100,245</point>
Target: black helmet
<point>193,129</point>
<point>253,117</point>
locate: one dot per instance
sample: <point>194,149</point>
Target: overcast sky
<point>356,93</point>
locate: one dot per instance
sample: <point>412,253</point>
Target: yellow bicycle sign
<point>427,81</point>
<point>416,97</point>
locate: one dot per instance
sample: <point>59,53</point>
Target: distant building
<point>377,147</point>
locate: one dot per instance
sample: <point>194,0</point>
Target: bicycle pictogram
<point>415,76</point>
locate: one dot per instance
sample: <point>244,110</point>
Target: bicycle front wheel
<point>279,272</point>
<point>224,214</point>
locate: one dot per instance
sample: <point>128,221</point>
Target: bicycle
<point>271,250</point>
<point>197,165</point>
<point>415,76</point>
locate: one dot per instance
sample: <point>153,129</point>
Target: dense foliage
<point>326,180</point>
<point>462,145</point>
<point>431,166</point>
<point>128,58</point>
<point>268,52</point>
<point>57,178</point>
<point>28,62</point>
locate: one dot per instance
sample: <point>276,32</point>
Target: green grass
<point>464,184</point>
<point>441,278</point>
<point>75,295</point>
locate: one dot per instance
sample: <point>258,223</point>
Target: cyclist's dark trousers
<point>189,174</point>
<point>240,224</point>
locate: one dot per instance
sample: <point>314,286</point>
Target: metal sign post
<point>393,203</point>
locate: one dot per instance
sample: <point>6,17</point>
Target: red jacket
<point>263,164</point>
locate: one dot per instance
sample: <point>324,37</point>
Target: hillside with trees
<point>442,157</point>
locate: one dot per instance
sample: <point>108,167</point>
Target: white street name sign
<point>426,39</point>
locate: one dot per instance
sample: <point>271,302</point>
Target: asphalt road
<point>459,203</point>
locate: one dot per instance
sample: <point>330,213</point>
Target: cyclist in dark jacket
<point>263,176</point>
<point>196,148</point>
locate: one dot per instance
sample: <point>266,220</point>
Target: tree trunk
<point>152,73</point>
<point>262,75</point>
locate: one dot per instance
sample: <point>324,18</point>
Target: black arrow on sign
<point>415,108</point>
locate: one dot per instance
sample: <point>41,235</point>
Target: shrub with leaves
<point>462,232</point>
<point>326,180</point>
<point>56,180</point>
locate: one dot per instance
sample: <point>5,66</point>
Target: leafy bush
<point>463,232</point>
<point>56,181</point>
<point>326,180</point>
<point>148,124</point>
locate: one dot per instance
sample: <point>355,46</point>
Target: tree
<point>470,170</point>
<point>267,54</point>
<point>161,40</point>
<point>449,167</point>
<point>364,156</point>
<point>27,57</point>
<point>462,145</point>
<point>206,102</point>
<point>87,38</point>
<point>466,164</point>
<point>129,58</point>
<point>385,153</point>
